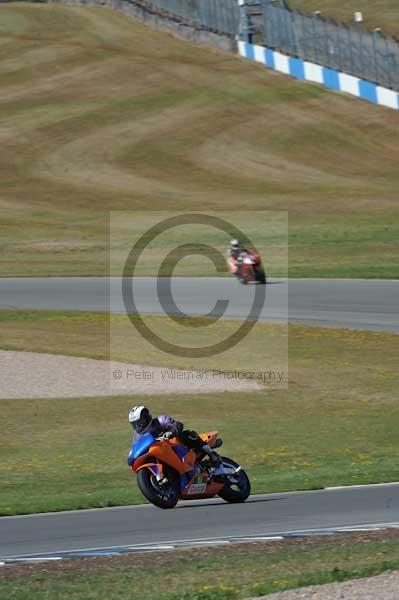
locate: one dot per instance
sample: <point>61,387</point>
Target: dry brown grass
<point>98,113</point>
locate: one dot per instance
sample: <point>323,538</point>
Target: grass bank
<point>336,424</point>
<point>223,573</point>
<point>179,127</point>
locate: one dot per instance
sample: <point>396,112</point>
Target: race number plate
<point>199,486</point>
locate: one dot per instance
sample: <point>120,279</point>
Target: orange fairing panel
<point>210,437</point>
<point>166,454</point>
<point>212,489</point>
<point>155,468</point>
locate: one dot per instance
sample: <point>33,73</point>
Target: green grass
<point>223,573</point>
<point>266,230</point>
<point>101,114</point>
<point>336,424</point>
<point>378,13</point>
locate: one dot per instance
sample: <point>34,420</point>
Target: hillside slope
<point>98,113</point>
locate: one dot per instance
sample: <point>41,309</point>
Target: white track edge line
<point>216,539</point>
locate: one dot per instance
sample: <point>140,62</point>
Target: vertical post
<point>338,42</point>
<point>294,34</point>
<point>328,48</point>
<point>304,52</point>
<point>243,28</point>
<point>282,35</point>
<point>266,21</point>
<point>396,68</point>
<point>230,21</point>
<point>314,34</point>
<point>362,69</point>
<point>285,29</point>
<point>374,37</point>
<point>350,50</point>
<point>388,63</point>
<point>216,14</point>
<point>201,14</point>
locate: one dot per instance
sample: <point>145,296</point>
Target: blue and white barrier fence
<point>307,71</point>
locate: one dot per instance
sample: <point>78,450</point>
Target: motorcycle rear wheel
<point>260,276</point>
<point>163,496</point>
<point>236,492</point>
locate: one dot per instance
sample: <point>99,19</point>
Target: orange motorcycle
<point>168,471</point>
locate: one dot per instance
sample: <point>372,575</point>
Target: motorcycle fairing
<point>210,437</point>
<point>186,479</point>
<point>181,451</point>
<point>154,455</point>
<point>155,468</point>
<point>200,486</point>
<point>141,445</point>
<point>165,453</point>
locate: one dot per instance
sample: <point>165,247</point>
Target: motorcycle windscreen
<point>141,446</point>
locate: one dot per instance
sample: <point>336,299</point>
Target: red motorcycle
<point>247,266</point>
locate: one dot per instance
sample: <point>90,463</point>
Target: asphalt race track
<point>359,304</point>
<point>264,515</point>
<point>356,304</point>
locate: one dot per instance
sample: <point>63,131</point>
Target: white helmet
<point>235,244</point>
<point>140,418</point>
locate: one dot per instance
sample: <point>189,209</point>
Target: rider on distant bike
<point>142,422</point>
<point>236,252</point>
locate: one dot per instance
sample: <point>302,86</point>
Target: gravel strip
<point>35,375</point>
<point>381,587</point>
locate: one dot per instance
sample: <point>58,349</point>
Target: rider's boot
<point>214,458</point>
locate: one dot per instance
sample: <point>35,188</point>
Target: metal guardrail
<point>369,55</point>
<point>222,16</point>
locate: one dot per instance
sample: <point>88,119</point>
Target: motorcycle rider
<point>236,252</point>
<point>236,248</point>
<point>143,422</point>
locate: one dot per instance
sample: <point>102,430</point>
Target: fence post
<point>294,33</point>
<point>338,42</point>
<point>243,27</point>
<point>304,41</point>
<point>361,55</point>
<point>389,63</point>
<point>375,54</point>
<point>314,34</point>
<point>286,30</point>
<point>329,50</point>
<point>350,49</point>
<point>201,14</point>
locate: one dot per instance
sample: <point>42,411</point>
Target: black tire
<point>261,276</point>
<point>163,496</point>
<point>241,490</point>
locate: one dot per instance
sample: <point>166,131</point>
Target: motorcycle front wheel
<point>260,276</point>
<point>163,495</point>
<point>238,487</point>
